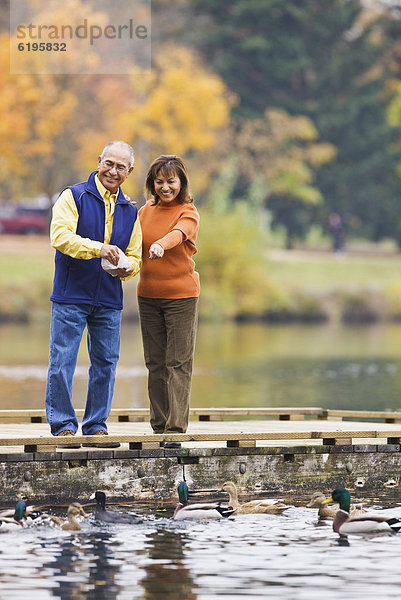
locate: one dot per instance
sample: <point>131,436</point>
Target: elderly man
<point>91,221</point>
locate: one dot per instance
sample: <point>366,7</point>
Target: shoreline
<point>304,286</point>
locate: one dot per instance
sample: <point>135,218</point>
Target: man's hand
<point>125,272</point>
<point>111,253</point>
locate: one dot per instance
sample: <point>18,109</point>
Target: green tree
<point>322,59</point>
<point>232,259</point>
<point>277,159</point>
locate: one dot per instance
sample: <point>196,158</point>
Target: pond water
<point>292,556</point>
<point>331,366</point>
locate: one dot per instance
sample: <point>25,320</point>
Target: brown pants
<point>168,335</point>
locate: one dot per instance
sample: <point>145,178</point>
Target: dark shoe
<point>172,444</point>
<point>101,432</point>
<point>67,433</point>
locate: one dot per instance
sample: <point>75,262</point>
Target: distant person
<point>91,221</point>
<point>337,230</point>
<point>168,292</point>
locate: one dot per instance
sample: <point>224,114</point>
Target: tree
<point>275,159</point>
<point>321,59</point>
<point>232,258</point>
<point>53,125</point>
<point>179,108</point>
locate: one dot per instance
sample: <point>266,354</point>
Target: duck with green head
<point>17,521</point>
<point>359,524</point>
<point>198,511</point>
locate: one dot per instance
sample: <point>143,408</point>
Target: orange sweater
<point>172,276</point>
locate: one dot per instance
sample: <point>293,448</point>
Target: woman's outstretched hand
<point>156,251</point>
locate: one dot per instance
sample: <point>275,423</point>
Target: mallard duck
<point>67,523</point>
<point>44,519</point>
<point>9,513</point>
<point>16,521</point>
<point>29,513</point>
<point>7,525</point>
<point>18,513</point>
<point>198,511</point>
<point>365,523</point>
<point>319,499</point>
<point>108,516</point>
<point>71,524</point>
<point>263,506</point>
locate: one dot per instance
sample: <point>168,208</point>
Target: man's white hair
<point>124,145</point>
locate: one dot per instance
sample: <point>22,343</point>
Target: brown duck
<point>263,506</point>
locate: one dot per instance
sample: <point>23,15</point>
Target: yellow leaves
<point>394,110</point>
<point>56,21</point>
<point>59,109</point>
<point>282,149</point>
<point>34,112</point>
<point>182,105</point>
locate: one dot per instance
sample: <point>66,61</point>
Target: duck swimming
<point>263,506</point>
<point>198,511</point>
<point>18,513</point>
<point>7,525</point>
<point>365,523</point>
<point>319,499</point>
<point>15,522</point>
<point>71,524</point>
<point>26,515</point>
<point>111,516</point>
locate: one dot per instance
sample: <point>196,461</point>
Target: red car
<point>15,221</point>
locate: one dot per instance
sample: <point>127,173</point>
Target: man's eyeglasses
<point>119,167</point>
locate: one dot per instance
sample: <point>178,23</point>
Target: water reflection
<point>328,365</point>
<point>84,568</point>
<point>343,541</point>
<point>167,577</point>
<point>103,573</point>
<point>66,567</point>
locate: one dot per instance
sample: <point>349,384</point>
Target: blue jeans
<point>68,322</point>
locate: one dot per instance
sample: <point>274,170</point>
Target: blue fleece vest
<point>78,281</point>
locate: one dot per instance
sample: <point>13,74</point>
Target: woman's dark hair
<point>167,166</point>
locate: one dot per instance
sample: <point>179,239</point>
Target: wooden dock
<point>262,449</point>
<point>227,425</point>
<point>123,415</point>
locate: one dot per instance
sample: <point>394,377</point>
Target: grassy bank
<point>303,285</point>
<point>354,287</point>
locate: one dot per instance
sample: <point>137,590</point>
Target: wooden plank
<point>364,414</point>
<point>335,441</point>
<point>206,414</point>
<point>202,414</point>
<point>268,411</point>
<point>39,448</point>
<point>17,439</point>
<point>241,443</point>
<point>144,445</point>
